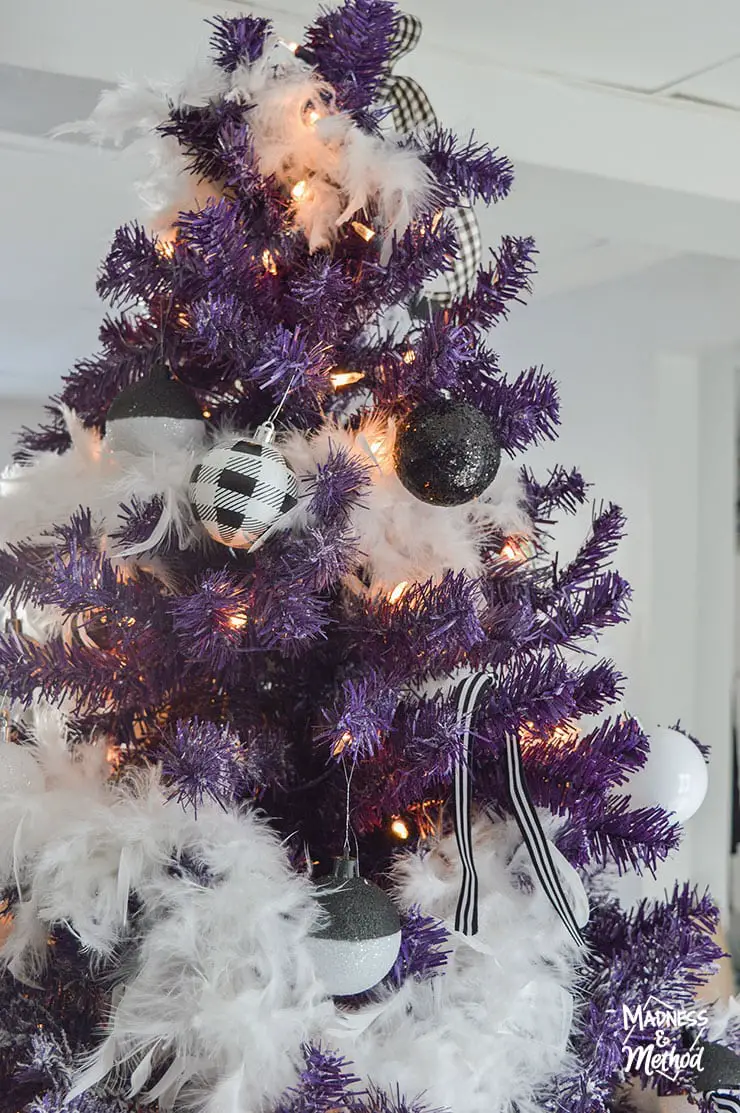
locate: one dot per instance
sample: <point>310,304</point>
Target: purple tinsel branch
<point>286,605</point>
<point>580,615</point>
<point>663,950</point>
<point>209,622</point>
<point>600,760</point>
<point>201,760</point>
<point>338,486</point>
<point>221,325</point>
<point>325,1084</point>
<point>523,412</point>
<point>362,716</point>
<point>422,954</point>
<point>426,734</point>
<point>238,41</point>
<point>129,350</point>
<point>288,360</point>
<point>133,267</point>
<point>607,531</point>
<point>499,285</point>
<point>630,839</point>
<point>87,677</point>
<point>51,436</point>
<point>428,631</point>
<point>198,130</point>
<point>352,46</point>
<point>466,169</point>
<point>563,490</point>
<point>137,521</point>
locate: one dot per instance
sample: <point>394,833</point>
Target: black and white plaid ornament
<point>240,488</point>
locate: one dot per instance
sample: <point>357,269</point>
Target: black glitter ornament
<point>360,940</point>
<point>446,452</point>
<point>715,1067</point>
<point>152,412</point>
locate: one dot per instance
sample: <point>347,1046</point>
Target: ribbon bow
<point>469,697</point>
<point>410,110</point>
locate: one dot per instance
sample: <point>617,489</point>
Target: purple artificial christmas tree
<point>317,625</point>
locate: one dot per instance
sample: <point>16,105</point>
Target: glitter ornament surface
<point>360,940</point>
<point>154,411</point>
<point>446,452</point>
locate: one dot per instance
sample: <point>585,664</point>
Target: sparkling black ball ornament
<point>446,452</point>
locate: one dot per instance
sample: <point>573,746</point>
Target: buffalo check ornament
<point>240,489</point>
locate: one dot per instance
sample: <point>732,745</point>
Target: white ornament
<point>674,777</point>
<point>240,488</point>
<point>19,770</point>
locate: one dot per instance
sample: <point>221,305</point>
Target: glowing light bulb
<point>398,591</point>
<point>237,621</point>
<point>340,379</point>
<point>206,414</point>
<point>313,117</point>
<point>299,189</point>
<point>268,262</point>
<point>363,231</point>
<point>517,550</point>
<point>292,47</point>
<point>165,247</point>
<point>409,356</point>
<point>400,828</point>
<point>341,744</point>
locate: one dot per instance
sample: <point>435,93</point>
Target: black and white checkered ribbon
<point>469,697</point>
<point>724,1101</point>
<point>410,110</point>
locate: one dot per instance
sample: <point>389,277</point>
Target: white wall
<point>647,388</point>
<point>15,413</point>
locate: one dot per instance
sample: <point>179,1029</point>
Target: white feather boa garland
<point>222,988</point>
<point>52,487</point>
<point>400,537</point>
<point>222,985</point>
<point>492,1029</point>
<point>299,136</point>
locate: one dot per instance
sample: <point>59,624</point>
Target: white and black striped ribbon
<point>724,1101</point>
<point>469,697</point>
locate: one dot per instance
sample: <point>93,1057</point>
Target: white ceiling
<point>621,161</point>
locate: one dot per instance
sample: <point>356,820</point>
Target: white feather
<point>223,984</point>
<point>400,537</point>
<point>52,487</point>
<point>486,1035</point>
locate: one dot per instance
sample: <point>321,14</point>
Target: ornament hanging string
<point>469,697</point>
<point>348,812</point>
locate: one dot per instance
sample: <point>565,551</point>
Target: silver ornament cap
<point>360,939</point>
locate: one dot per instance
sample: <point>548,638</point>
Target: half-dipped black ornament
<point>152,413</point>
<point>360,940</point>
<point>446,452</point>
<point>714,1066</point>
